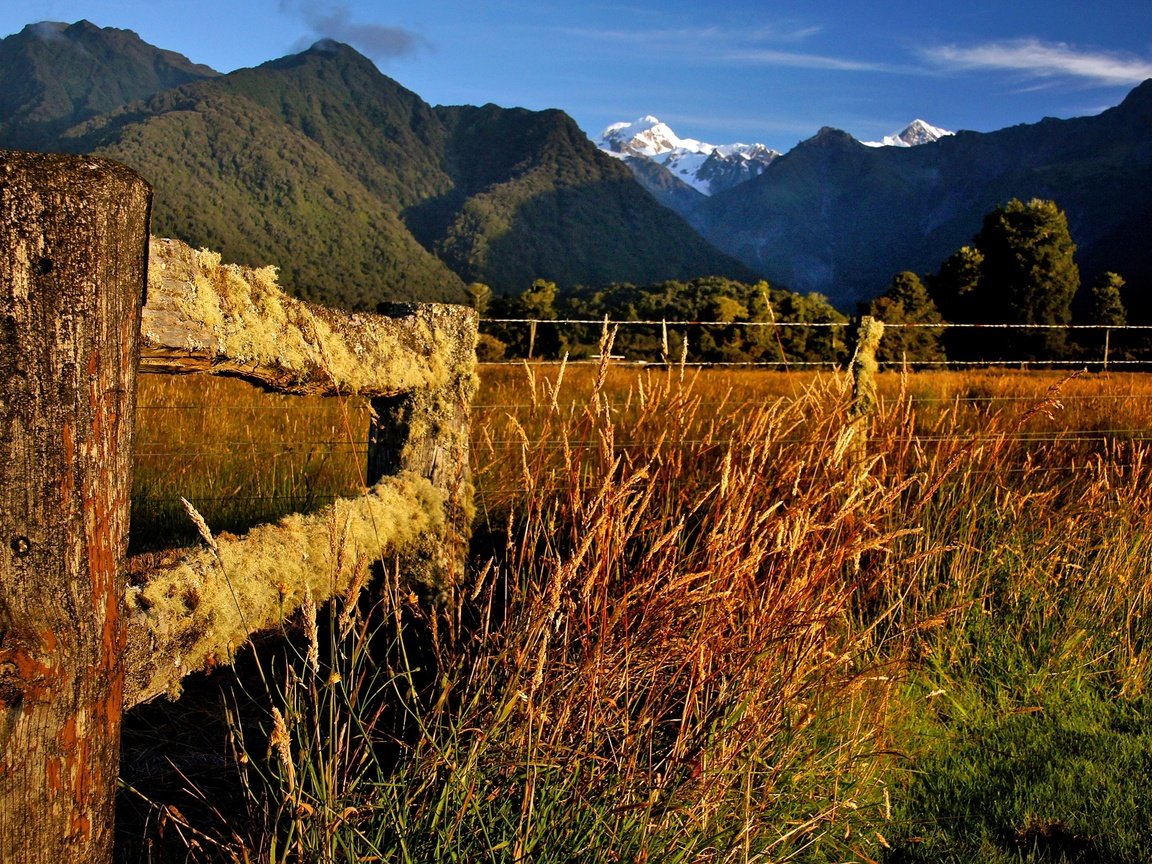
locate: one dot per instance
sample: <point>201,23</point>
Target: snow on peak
<point>913,135</point>
<point>686,158</point>
<point>646,137</point>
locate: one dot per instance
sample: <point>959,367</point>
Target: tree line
<point>1019,269</point>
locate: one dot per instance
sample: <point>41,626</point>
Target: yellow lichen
<point>423,360</point>
<point>251,320</point>
<point>250,584</point>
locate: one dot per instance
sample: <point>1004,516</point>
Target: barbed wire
<point>943,325</point>
<point>1105,361</point>
<point>784,365</point>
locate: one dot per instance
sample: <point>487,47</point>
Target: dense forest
<point>1019,270</point>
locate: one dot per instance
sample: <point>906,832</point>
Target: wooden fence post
<point>73,251</point>
<point>865,367</point>
<point>425,432</point>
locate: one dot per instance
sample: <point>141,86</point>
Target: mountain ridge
<point>354,186</point>
<point>706,168</point>
<point>835,216</point>
<point>92,70</point>
<point>362,192</point>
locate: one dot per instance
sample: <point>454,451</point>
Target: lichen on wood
<point>205,316</point>
<point>864,393</point>
<point>417,359</point>
<point>198,610</point>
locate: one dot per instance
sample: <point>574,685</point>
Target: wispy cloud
<point>760,46</point>
<point>333,21</point>
<point>798,60</point>
<point>1044,60</point>
<point>698,36</point>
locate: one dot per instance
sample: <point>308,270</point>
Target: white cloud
<point>796,60</point>
<point>685,37</point>
<point>721,45</point>
<point>1044,59</point>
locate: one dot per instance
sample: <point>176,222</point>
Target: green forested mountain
<point>230,176</point>
<point>533,195</point>
<point>54,75</point>
<point>354,186</point>
<point>388,138</point>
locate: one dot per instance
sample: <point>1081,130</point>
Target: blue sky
<point>741,70</point>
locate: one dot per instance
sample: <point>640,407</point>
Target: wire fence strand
<point>1106,358</point>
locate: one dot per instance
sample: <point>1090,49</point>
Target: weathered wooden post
<point>426,432</point>
<point>73,247</point>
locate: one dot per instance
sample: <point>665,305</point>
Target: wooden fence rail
<point>77,645</point>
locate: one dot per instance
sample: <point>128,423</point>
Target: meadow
<point>709,616</point>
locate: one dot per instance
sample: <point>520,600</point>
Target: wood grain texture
<point>72,272</point>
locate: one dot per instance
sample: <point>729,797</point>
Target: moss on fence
<point>236,320</point>
<point>197,611</point>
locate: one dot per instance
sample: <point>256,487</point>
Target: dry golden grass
<point>703,624</point>
<point>240,455</point>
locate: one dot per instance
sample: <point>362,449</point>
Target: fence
<point>1096,346</point>
<point>75,649</point>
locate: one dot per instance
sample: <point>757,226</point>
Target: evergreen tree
<point>955,288</point>
<point>1019,269</point>
<point>1029,275</point>
<point>1106,308</point>
<point>907,302</point>
<point>538,302</point>
<point>481,297</point>
<point>1107,304</point>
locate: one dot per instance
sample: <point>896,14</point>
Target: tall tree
<point>1106,308</point>
<point>955,288</point>
<point>1107,304</point>
<point>1029,274</point>
<point>907,302</point>
<point>1019,269</point>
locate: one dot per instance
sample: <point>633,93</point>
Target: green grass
<point>1055,775</point>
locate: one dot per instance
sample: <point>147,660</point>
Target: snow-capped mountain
<point>707,168</point>
<point>914,134</point>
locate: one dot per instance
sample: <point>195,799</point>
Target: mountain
<point>647,145</point>
<point>707,168</point>
<point>362,192</point>
<point>313,197</point>
<point>55,75</point>
<point>355,187</point>
<point>913,135</point>
<point>840,218</point>
<point>533,197</point>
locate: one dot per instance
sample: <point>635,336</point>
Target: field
<point>709,616</point>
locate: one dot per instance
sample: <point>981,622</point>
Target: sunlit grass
<point>701,624</point>
<point>241,456</point>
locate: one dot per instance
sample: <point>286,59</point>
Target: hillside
<point>362,192</point>
<point>841,218</point>
<point>55,75</point>
<point>228,176</point>
<point>534,196</point>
